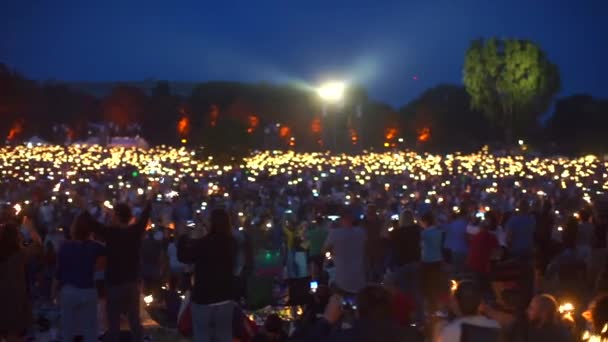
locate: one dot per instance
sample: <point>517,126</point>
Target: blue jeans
<point>212,323</point>
<point>78,309</point>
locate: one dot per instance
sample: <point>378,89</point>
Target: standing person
<point>584,237</point>
<point>289,230</point>
<point>316,236</point>
<point>76,261</point>
<point>122,275</point>
<point>373,249</point>
<point>430,242</point>
<point>214,259</point>
<point>456,241</point>
<point>520,232</point>
<point>152,256</point>
<point>15,310</point>
<point>482,246</point>
<point>347,244</point>
<point>520,241</point>
<point>176,268</point>
<point>598,259</point>
<point>405,250</point>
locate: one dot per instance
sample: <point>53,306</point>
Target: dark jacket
<point>214,258</point>
<point>123,248</point>
<point>405,245</point>
<point>364,331</point>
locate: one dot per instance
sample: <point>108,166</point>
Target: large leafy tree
<point>512,81</point>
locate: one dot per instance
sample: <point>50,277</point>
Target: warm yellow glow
<point>454,285</point>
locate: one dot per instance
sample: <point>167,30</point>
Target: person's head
<point>81,228</point>
<point>371,211</point>
<point>523,206</point>
<point>122,214</point>
<point>543,310</point>
<point>427,220</point>
<point>374,303</point>
<point>491,220</point>
<point>584,215</point>
<point>406,218</point>
<point>569,236</point>
<point>598,313</point>
<point>467,298</point>
<point>346,218</point>
<point>10,240</point>
<point>463,211</point>
<point>485,225</point>
<point>220,222</point>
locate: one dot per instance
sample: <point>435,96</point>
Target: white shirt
<point>348,246</point>
<point>452,331</point>
<point>172,254</point>
<point>473,229</point>
<point>501,236</point>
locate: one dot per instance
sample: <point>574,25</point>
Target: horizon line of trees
<point>507,86</point>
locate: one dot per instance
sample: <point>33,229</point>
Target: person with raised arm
<point>123,238</point>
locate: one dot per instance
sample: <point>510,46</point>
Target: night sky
<point>397,49</point>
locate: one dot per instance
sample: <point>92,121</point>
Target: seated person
<point>465,303</point>
<point>403,305</point>
<point>373,320</point>
<point>597,315</point>
<point>272,330</point>
<point>544,321</point>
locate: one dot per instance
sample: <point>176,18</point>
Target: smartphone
<point>333,217</point>
<point>348,302</point>
<point>441,314</point>
<point>108,205</point>
<point>480,215</point>
<point>395,217</point>
<point>314,286</point>
<point>190,224</point>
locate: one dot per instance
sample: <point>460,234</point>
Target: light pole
<point>332,93</point>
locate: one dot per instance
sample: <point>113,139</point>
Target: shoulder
<point>481,321</point>
<point>451,331</point>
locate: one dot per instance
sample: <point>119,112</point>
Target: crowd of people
<point>458,251</point>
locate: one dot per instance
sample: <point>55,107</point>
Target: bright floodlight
<point>332,91</point>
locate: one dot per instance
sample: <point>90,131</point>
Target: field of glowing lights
<point>74,163</point>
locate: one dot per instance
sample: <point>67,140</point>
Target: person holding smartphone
<point>374,320</point>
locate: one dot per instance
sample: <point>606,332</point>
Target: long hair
<point>548,309</point>
<point>81,228</point>
<point>220,223</point>
<point>9,241</point>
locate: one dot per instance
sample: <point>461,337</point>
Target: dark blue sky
<point>382,44</point>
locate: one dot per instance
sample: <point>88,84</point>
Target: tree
<point>579,123</point>
<point>511,81</point>
<point>124,107</point>
<point>444,114</point>
<point>163,112</point>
